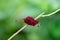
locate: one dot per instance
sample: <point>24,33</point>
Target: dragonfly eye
<point>30,21</point>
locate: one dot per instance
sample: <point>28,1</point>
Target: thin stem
<point>41,15</point>
<point>51,13</point>
<point>17,32</point>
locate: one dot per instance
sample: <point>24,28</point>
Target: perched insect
<point>30,21</point>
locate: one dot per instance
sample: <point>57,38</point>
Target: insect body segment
<point>30,21</point>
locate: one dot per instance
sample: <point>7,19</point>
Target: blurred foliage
<point>12,10</point>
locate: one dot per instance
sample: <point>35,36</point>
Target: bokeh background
<point>12,10</point>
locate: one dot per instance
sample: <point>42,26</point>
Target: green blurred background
<point>12,10</point>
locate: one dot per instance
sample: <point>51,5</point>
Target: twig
<point>41,15</point>
<point>18,32</point>
<point>51,13</point>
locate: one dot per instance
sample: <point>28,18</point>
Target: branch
<point>17,32</point>
<point>40,15</point>
<point>51,13</point>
